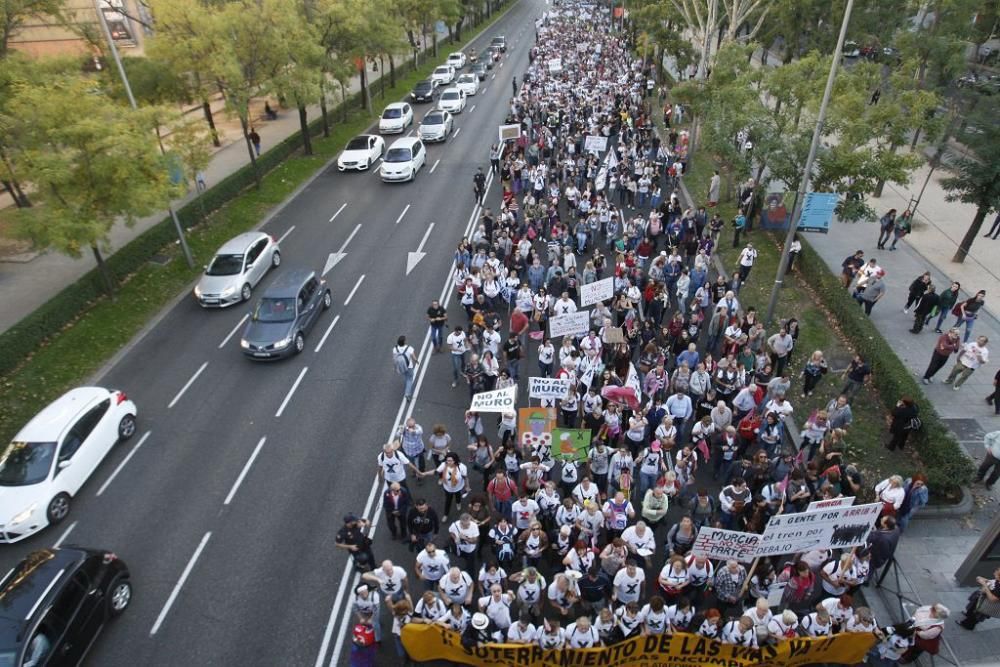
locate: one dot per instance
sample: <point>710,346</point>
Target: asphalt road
<point>226,503</point>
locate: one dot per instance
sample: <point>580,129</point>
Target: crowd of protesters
<point>688,398</point>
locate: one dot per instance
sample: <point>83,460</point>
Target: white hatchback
<point>55,453</point>
<point>403,160</point>
<point>443,75</point>
<point>456,60</point>
<point>468,84</point>
<point>396,118</point>
<point>452,100</point>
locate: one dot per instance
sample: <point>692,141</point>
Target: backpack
<point>364,634</point>
<point>914,424</point>
<point>400,360</point>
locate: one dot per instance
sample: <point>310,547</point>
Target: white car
<point>403,160</point>
<point>452,100</point>
<point>236,269</point>
<point>443,75</point>
<point>456,60</point>
<point>361,152</point>
<point>468,84</point>
<point>396,118</point>
<point>436,126</point>
<point>49,459</point>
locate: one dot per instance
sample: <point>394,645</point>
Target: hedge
<point>59,312</point>
<point>945,462</point>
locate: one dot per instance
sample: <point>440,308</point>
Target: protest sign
<point>830,504</point>
<point>613,335</point>
<point>597,291</point>
<point>721,544</point>
<point>569,325</point>
<point>509,132</point>
<point>571,444</point>
<point>595,144</point>
<point>555,65</point>
<point>837,528</point>
<point>500,400</point>
<point>549,387</point>
<point>424,643</point>
<point>535,426</point>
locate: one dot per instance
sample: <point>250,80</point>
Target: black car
<point>55,602</point>
<point>423,91</point>
<point>479,69</point>
<point>284,315</point>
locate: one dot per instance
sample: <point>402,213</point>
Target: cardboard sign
<point>509,132</point>
<point>721,544</point>
<point>535,425</point>
<point>595,144</point>
<point>425,642</point>
<point>500,400</point>
<point>837,528</point>
<point>548,387</point>
<point>571,444</point>
<point>555,65</point>
<point>613,335</point>
<point>830,504</point>
<point>569,325</point>
<point>597,291</point>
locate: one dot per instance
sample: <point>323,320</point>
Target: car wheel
<point>300,342</point>
<point>327,300</point>
<point>58,509</point>
<point>275,260</point>
<point>246,292</point>
<point>126,427</point>
<point>120,596</point>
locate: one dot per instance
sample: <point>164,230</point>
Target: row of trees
<point>904,93</point>
<point>77,158</point>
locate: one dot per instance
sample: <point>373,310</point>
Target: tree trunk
<point>102,268</point>
<point>250,149</point>
<point>307,146</point>
<point>434,39</point>
<point>206,107</point>
<point>458,30</point>
<point>880,183</point>
<point>343,103</point>
<point>323,110</point>
<point>970,235</point>
<point>916,138</point>
<point>381,75</point>
<point>392,71</point>
<point>364,90</point>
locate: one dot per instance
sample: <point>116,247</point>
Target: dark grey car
<point>284,315</point>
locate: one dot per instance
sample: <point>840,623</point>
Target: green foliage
<point>944,462</point>
<point>976,178</point>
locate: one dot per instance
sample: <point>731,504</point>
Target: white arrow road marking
<point>413,258</point>
<point>402,214</point>
<point>335,257</point>
<point>342,207</point>
<point>436,163</point>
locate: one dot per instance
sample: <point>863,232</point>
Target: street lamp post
<point>793,224</point>
<point>131,101</point>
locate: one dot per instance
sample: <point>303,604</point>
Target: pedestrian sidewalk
<point>29,280</point>
<point>932,548</point>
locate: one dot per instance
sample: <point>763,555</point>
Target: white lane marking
<point>493,77</point>
<point>372,170</point>
<point>291,391</point>
<point>402,214</point>
<point>186,386</point>
<point>355,289</point>
<point>436,162</point>
<point>285,235</point>
<point>233,332</point>
<point>243,473</point>
<point>472,109</point>
<point>342,207</point>
<point>62,538</point>
<point>180,584</point>
<point>410,133</point>
<point>424,352</point>
<point>121,465</point>
<point>325,335</point>
<point>335,257</point>
<point>456,133</point>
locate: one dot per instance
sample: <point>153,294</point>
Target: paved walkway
<point>26,282</point>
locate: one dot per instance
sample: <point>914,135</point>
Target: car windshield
<point>441,70</point>
<point>225,265</point>
<point>398,155</point>
<point>24,463</point>
<point>275,310</point>
<point>423,85</point>
<point>433,119</point>
<point>392,113</point>
<point>7,658</point>
<point>450,96</point>
<point>466,78</point>
<point>358,144</point>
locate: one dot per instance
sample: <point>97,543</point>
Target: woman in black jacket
<point>902,422</point>
<point>917,289</point>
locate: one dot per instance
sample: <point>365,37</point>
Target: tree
<point>92,162</point>
<point>190,143</point>
<point>976,178</point>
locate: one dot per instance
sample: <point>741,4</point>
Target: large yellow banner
<point>433,642</point>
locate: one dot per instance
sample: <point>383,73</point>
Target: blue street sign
<point>817,212</point>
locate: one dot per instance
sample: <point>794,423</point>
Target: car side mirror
<point>205,267</point>
<point>249,266</point>
<point>65,463</point>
